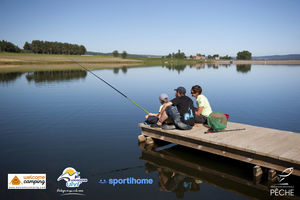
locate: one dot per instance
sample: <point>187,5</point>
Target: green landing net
<point>217,121</point>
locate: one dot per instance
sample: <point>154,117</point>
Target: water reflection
<point>243,68</point>
<point>123,69</point>
<point>176,67</point>
<point>182,169</point>
<point>66,75</point>
<point>216,65</point>
<point>180,68</point>
<point>9,77</point>
<point>55,76</point>
<point>116,70</point>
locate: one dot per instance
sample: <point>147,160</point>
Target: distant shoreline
<point>22,62</point>
<point>258,62</point>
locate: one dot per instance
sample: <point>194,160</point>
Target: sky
<point>157,27</point>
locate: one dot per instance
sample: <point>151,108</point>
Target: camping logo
<point>15,181</point>
<point>72,177</point>
<point>26,181</point>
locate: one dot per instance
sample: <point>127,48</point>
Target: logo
<point>26,181</point>
<point>283,188</point>
<point>285,173</point>
<point>126,181</point>
<point>73,180</point>
<point>15,181</point>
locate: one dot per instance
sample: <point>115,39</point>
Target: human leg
<point>172,112</point>
<point>201,119</point>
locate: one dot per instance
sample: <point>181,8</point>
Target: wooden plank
<point>292,155</point>
<point>255,145</point>
<point>222,153</point>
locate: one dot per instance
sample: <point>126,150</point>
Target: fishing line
<point>119,170</point>
<point>110,86</point>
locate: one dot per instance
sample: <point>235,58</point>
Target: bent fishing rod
<point>110,86</point>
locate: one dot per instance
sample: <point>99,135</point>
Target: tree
<point>82,50</point>
<point>27,46</point>
<point>244,55</point>
<point>47,47</point>
<point>169,56</point>
<point>179,55</point>
<point>124,54</point>
<point>115,53</point>
<point>226,57</point>
<point>9,47</point>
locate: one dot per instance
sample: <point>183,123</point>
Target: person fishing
<point>152,118</point>
<point>180,109</point>
<point>203,110</point>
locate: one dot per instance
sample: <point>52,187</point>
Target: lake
<point>53,120</point>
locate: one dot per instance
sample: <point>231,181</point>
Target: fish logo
<point>285,173</point>
<point>72,177</point>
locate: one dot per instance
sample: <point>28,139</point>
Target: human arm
<point>199,110</point>
<point>151,114</point>
<point>164,108</point>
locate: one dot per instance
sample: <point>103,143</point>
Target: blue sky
<point>157,27</point>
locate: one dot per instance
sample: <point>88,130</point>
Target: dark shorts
<point>151,120</point>
<point>201,119</point>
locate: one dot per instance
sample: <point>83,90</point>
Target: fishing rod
<point>213,131</point>
<point>110,86</point>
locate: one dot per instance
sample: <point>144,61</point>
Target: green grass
<point>166,61</point>
<point>42,60</point>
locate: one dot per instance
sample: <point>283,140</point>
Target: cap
<point>180,90</point>
<point>163,96</point>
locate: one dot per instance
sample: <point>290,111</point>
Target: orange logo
<point>15,181</point>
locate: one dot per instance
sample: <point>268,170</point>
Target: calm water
<point>53,120</point>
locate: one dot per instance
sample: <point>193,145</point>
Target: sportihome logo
<point>26,181</point>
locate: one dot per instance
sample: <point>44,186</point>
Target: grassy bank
<point>22,62</point>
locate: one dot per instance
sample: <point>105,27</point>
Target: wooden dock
<point>265,147</point>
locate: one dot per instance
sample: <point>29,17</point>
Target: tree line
<point>242,55</point>
<point>46,47</point>
<point>178,55</point>
<point>8,47</point>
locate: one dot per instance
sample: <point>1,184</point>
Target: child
<point>151,118</point>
